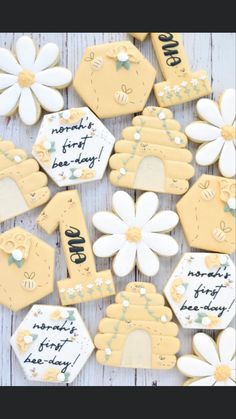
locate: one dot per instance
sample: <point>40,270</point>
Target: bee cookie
<point>138,331</point>
<point>216,133</point>
<point>73,146</point>
<point>152,155</point>
<point>29,80</point>
<point>207,213</point>
<point>114,79</point>
<point>213,363</point>
<point>201,291</point>
<point>22,186</point>
<point>135,233</point>
<point>27,269</point>
<point>52,344</point>
<point>139,35</point>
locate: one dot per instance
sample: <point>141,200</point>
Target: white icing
<point>137,136</point>
<point>163,244</point>
<point>180,290</point>
<point>109,223</point>
<point>47,56</point>
<point>228,105</point>
<point>122,171</point>
<point>78,173</point>
<point>162,115</point>
<point>193,367</point>
<point>9,99</point>
<point>124,261</point>
<point>178,140</point>
<point>227,345</point>
<point>206,321</point>
<point>54,77</point>
<point>208,110</point>
<point>47,145</point>
<point>227,161</point>
<point>107,246</point>
<point>8,62</point>
<point>209,153</point>
<point>25,52</point>
<point>98,281</point>
<point>231,203</point>
<point>147,261</point>
<point>123,205</point>
<point>17,254</point>
<point>64,314</point>
<point>206,381</point>
<point>123,56</point>
<point>28,110</point>
<point>206,348</point>
<point>164,319</point>
<point>142,291</point>
<point>89,286</point>
<point>200,132</point>
<point>164,221</point>
<point>18,159</point>
<point>66,114</point>
<point>7,80</point>
<point>28,339</point>
<point>108,351</point>
<point>146,206</point>
<point>61,377</point>
<point>50,99</point>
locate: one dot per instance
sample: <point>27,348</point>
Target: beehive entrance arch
<point>9,188</point>
<point>150,175</point>
<point>137,351</point>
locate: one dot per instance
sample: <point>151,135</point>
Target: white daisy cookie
<point>214,363</point>
<point>217,132</point>
<point>28,81</point>
<point>135,233</point>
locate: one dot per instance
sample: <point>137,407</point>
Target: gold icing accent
<point>56,315</point>
<point>214,321</point>
<point>133,234</point>
<point>88,174</point>
<point>76,114</point>
<point>227,189</point>
<point>22,345</point>
<point>114,52</point>
<point>51,374</point>
<point>26,78</point>
<point>15,241</point>
<point>42,153</point>
<point>212,261</point>
<point>222,373</point>
<point>176,283</point>
<point>228,132</point>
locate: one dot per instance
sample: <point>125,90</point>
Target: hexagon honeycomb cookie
<point>201,291</point>
<point>114,79</point>
<point>52,344</point>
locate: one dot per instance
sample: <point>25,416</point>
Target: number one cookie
<point>64,211</point>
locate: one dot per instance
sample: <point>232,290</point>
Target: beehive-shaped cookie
<point>138,332</point>
<point>152,155</point>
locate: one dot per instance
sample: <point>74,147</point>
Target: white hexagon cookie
<point>73,146</point>
<point>201,291</point>
<point>52,344</point>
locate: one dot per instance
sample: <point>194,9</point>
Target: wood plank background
<point>214,52</point>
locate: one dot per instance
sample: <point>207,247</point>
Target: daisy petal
<point>163,244</point>
<point>9,99</point>
<point>54,77</point>
<point>191,366</point>
<point>164,221</point>
<point>7,80</point>
<point>200,132</point>
<point>109,223</point>
<point>107,246</point>
<point>124,261</point>
<point>227,342</point>
<point>209,153</point>
<point>123,205</point>
<point>208,110</point>
<point>50,99</point>
<point>227,106</point>
<point>8,62</point>
<point>206,381</point>
<point>148,262</point>
<point>25,52</point>
<point>232,363</point>
<point>227,162</point>
<point>233,375</point>
<point>146,207</point>
<point>29,111</point>
<point>205,346</point>
<point>229,383</point>
<point>48,55</point>
<point>219,384</point>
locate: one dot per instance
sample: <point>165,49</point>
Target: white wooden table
<point>213,52</point>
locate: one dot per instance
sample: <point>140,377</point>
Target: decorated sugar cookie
<point>138,331</point>
<point>29,80</point>
<point>27,269</point>
<point>114,79</point>
<point>139,35</point>
<point>201,291</point>
<point>214,363</point>
<point>73,146</point>
<point>208,213</point>
<point>217,133</point>
<point>52,344</point>
<point>22,186</point>
<point>152,155</point>
<point>135,233</point>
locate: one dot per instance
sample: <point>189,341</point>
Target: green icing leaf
<point>19,263</point>
<point>118,65</point>
<point>34,337</point>
<point>67,375</point>
<point>71,316</point>
<point>126,64</point>
<point>202,315</point>
<point>11,260</point>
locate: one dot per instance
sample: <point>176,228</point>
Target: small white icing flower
<point>61,377</point>
<point>126,303</point>
<point>176,89</point>
<point>167,88</point>
<point>217,134</point>
<point>164,319</point>
<point>64,314</point>
<point>78,173</point>
<point>28,339</point>
<point>108,351</point>
<point>17,254</point>
<point>79,288</point>
<point>178,140</point>
<point>29,81</point>
<point>162,115</point>
<point>90,286</point>
<point>194,82</point>
<point>161,94</point>
<point>180,289</point>
<point>70,291</point>
<point>137,136</point>
<point>98,282</point>
<point>214,364</point>
<point>206,321</point>
<point>18,159</point>
<point>122,171</point>
<point>203,77</point>
<point>183,84</point>
<point>231,203</point>
<point>142,291</point>
<point>62,290</point>
<point>108,282</point>
<point>47,145</point>
<point>223,259</point>
<point>135,234</point>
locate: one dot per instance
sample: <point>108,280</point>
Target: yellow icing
<point>22,345</point>
<point>222,373</point>
<point>133,234</point>
<point>26,78</point>
<point>228,132</point>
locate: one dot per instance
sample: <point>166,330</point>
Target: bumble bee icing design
<point>216,133</point>
<point>207,214</point>
<point>27,269</point>
<point>30,80</point>
<point>52,344</point>
<point>138,331</point>
<point>135,233</point>
<point>22,186</point>
<point>85,284</point>
<point>201,291</point>
<point>214,363</point>
<point>114,79</point>
<point>152,155</point>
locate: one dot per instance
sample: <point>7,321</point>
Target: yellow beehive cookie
<point>152,155</point>
<point>138,332</point>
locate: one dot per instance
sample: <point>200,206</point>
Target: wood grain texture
<point>213,52</point>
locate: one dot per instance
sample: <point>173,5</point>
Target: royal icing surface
<point>134,232</point>
<point>201,291</point>
<point>138,331</point>
<point>217,132</point>
<point>27,269</point>
<point>214,363</point>
<point>152,155</point>
<point>52,344</point>
<point>29,81</point>
<point>73,146</point>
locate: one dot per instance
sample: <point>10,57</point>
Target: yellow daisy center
<point>26,78</point>
<point>228,132</point>
<point>222,373</point>
<point>133,234</point>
